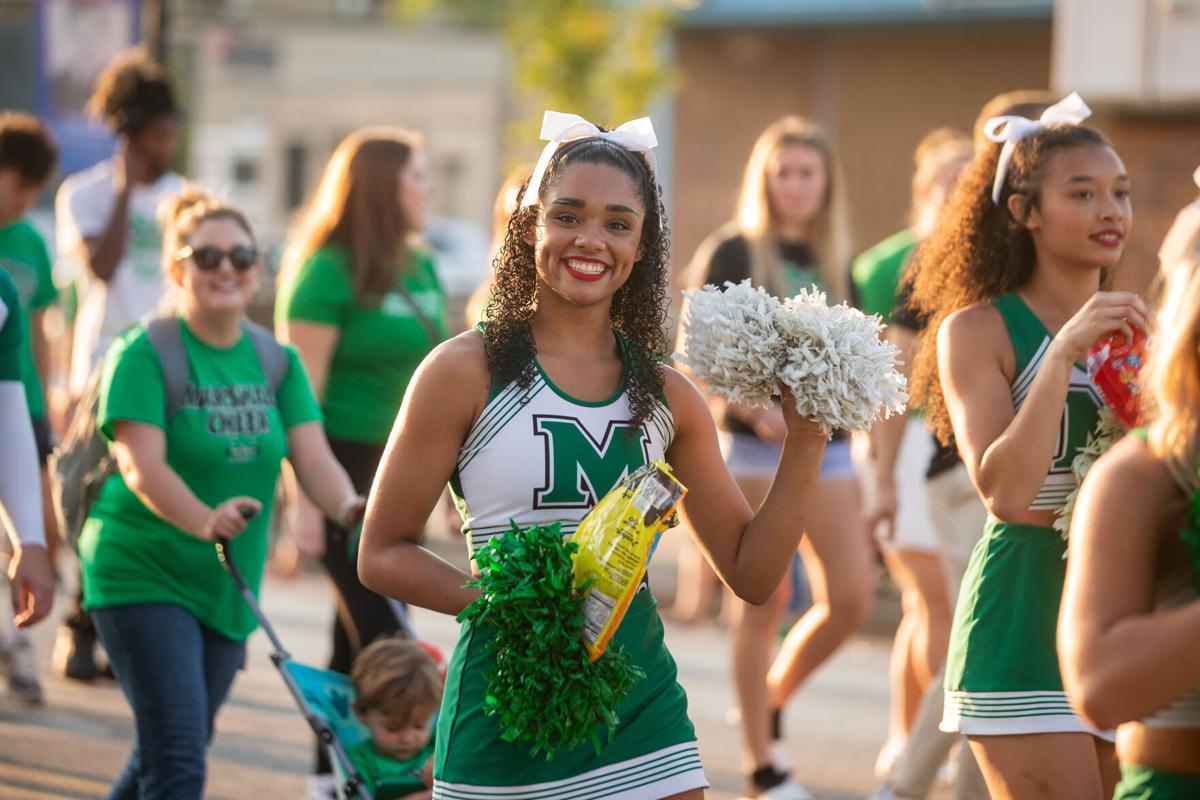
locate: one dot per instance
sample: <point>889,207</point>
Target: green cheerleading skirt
<point>1002,674</point>
<point>652,755</point>
<point>1143,783</point>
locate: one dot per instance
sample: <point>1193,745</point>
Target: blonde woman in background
<point>790,233</point>
<point>363,305</point>
<point>1131,603</point>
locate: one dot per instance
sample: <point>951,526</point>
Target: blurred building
<point>1138,66</point>
<point>270,87</point>
<point>274,85</point>
<point>878,74</point>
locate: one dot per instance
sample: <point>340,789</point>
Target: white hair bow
<point>1071,110</point>
<point>558,128</point>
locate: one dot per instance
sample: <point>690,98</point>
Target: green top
<point>23,256</point>
<point>1030,340</point>
<point>379,345</point>
<point>389,777</point>
<point>226,440</point>
<point>12,330</point>
<point>876,273</point>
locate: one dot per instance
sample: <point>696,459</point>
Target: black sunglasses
<point>208,258</point>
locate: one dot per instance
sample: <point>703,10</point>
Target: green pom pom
<point>543,689</point>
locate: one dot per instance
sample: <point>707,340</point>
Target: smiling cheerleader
<point>534,417</point>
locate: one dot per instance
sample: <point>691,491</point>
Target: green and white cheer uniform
<point>1176,584</point>
<point>1002,673</point>
<point>538,456</point>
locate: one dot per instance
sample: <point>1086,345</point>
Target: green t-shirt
<point>23,256</point>
<point>12,330</point>
<point>388,777</point>
<point>876,273</point>
<point>226,440</point>
<point>379,346</point>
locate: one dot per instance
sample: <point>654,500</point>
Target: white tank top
<point>1172,589</point>
<point>537,455</point>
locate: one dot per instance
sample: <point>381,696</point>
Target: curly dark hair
<point>27,146</point>
<point>978,251</point>
<point>639,308</point>
<point>132,92</point>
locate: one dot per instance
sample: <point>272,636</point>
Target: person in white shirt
<point>110,242</point>
<point>106,216</point>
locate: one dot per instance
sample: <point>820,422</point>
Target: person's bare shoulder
<point>676,384</point>
<point>975,321</point>
<point>1131,477</point>
<point>456,372</point>
<point>683,398</point>
<point>978,330</point>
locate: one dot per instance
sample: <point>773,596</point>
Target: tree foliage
<point>602,59</point>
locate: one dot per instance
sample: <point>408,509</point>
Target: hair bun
<point>192,197</point>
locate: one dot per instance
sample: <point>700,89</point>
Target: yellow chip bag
<point>615,541</point>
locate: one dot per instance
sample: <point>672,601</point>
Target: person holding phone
<point>172,621</point>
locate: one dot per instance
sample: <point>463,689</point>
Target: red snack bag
<point>1113,364</point>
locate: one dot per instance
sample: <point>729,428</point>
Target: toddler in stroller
<point>397,690</point>
<point>378,725</point>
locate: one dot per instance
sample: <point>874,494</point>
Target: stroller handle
<point>226,558</point>
<point>354,786</point>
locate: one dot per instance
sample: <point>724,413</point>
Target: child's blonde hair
<point>397,675</point>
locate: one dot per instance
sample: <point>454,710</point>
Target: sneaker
<point>788,790</point>
<point>22,672</point>
<point>770,783</point>
<point>74,654</point>
<point>887,757</point>
<point>323,786</point>
<point>781,755</point>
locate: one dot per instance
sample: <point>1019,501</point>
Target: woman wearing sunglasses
<point>173,623</point>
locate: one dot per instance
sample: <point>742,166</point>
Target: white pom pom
<point>731,344</point>
<point>744,345</point>
<point>841,373</point>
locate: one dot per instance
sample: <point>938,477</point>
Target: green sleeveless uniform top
<point>1002,672</point>
<point>1030,341</point>
<point>1176,582</point>
<point>535,456</point>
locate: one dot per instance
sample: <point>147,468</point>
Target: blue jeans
<point>175,674</point>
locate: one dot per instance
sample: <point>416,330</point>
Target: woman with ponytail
<point>1014,305</point>
<point>1131,606</point>
<point>198,457</point>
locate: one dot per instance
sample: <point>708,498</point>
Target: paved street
<point>77,743</point>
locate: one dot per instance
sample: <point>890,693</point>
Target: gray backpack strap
<point>167,339</point>
<point>272,358</point>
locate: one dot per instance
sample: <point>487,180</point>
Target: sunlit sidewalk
<point>77,743</point>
